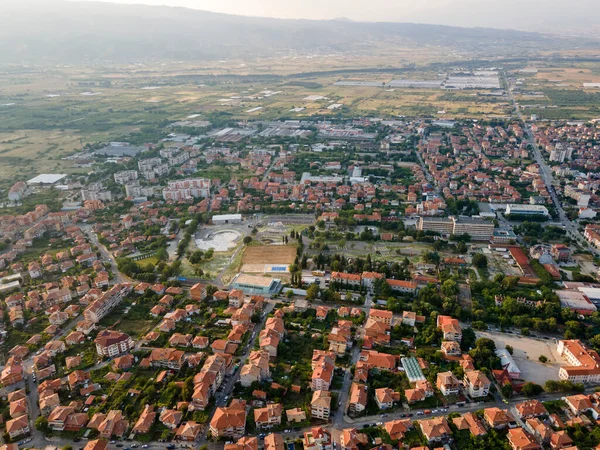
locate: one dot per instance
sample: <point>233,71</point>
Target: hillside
<point>59,31</point>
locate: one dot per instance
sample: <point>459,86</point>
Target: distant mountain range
<point>74,32</point>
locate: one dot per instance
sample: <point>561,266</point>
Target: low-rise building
<point>447,383</point>
<point>477,384</point>
<point>268,416</point>
<point>358,398</point>
<point>436,429</point>
<point>229,421</point>
<point>386,397</point>
<point>320,405</point>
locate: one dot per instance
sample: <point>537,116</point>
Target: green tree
<point>41,424</point>
<point>480,261</point>
<point>450,288</point>
<point>507,390</point>
<point>431,258</point>
<point>531,389</point>
<point>196,257</point>
<point>312,292</point>
<point>162,254</point>
<point>484,354</point>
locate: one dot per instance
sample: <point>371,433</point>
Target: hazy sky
<point>521,14</point>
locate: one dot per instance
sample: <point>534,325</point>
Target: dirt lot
<point>271,254</point>
<point>527,350</point>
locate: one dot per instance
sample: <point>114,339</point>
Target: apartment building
<point>111,343</point>
<point>320,405</point>
<point>109,299</point>
<point>229,421</point>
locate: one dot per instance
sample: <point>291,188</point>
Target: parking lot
<point>526,352</point>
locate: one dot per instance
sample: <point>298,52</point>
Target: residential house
<point>578,404</point>
<point>435,429</point>
<point>18,427</point>
<point>229,421</point>
<point>450,328</point>
<point>295,415</point>
<point>317,438</point>
<point>530,409</point>
<point>268,416</point>
<point>274,441</point>
<point>519,439</point>
<point>352,439</point>
<point>320,405</point>
<point>145,421</point>
<point>322,374</point>
<point>170,418</point>
<point>477,384</point>
<point>397,429</point>
<point>447,383</point>
<point>385,397</point>
<point>497,418</point>
<point>188,432</point>
<point>358,398</point>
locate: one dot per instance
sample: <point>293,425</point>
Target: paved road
<point>546,173</point>
<point>223,395</point>
<point>340,416</point>
<point>106,255</point>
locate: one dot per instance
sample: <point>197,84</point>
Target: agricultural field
<point>555,92</point>
<point>48,115</point>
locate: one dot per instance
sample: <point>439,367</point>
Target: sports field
<point>271,254</point>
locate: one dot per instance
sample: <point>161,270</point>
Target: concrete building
<point>253,284</point>
<point>17,191</point>
<point>113,343</point>
<point>125,176</point>
<point>320,405</point>
<point>526,210</point>
<point>184,190</point>
<point>478,229</point>
<point>583,364</point>
<point>442,225</point>
<point>225,219</point>
<point>503,236</point>
<point>559,153</point>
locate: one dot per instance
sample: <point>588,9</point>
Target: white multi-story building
<point>320,405</point>
<point>17,191</point>
<point>103,195</point>
<point>477,384</point>
<point>559,153</point>
<point>103,305</point>
<point>583,363</point>
<point>147,165</point>
<point>179,159</point>
<point>111,343</point>
<point>124,176</point>
<point>187,189</point>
